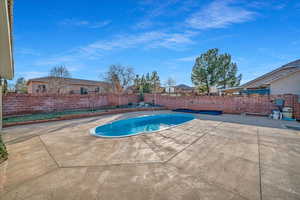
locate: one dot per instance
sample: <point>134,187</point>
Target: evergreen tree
<point>212,69</point>
<point>147,83</point>
<point>227,72</point>
<point>20,86</point>
<point>205,70</point>
<point>155,82</point>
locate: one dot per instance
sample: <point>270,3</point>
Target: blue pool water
<point>133,126</point>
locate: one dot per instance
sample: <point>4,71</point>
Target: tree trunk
<point>207,86</point>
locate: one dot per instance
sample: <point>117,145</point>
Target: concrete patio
<point>212,157</point>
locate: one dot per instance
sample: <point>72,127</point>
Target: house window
<point>83,90</point>
<point>97,90</point>
<point>41,88</point>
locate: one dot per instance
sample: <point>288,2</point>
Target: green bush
<point>141,97</point>
<point>3,151</point>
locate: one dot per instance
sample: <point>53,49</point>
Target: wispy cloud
<point>27,51</point>
<point>31,74</point>
<point>271,4</point>
<point>85,23</point>
<point>146,40</point>
<point>280,56</point>
<point>96,50</point>
<point>64,58</point>
<point>100,24</point>
<point>187,59</point>
<point>296,42</point>
<point>219,14</point>
<point>154,9</point>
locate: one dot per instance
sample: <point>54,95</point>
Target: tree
<point>212,69</point>
<point>60,72</point>
<point>170,83</point>
<point>147,83</point>
<point>4,84</point>
<point>120,77</point>
<point>205,70</point>
<point>154,81</point>
<point>228,72</point>
<point>20,86</point>
<point>58,76</point>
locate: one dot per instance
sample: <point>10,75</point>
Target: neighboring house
<point>66,86</point>
<point>183,89</point>
<point>6,53</point>
<point>170,89</point>
<point>283,80</point>
<point>179,89</point>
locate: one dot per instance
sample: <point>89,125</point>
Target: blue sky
<point>88,36</point>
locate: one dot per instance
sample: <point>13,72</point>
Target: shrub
<point>3,151</point>
<point>141,97</point>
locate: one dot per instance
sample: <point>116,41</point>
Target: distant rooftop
<point>69,80</point>
<point>183,86</point>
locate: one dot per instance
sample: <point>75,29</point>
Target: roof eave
<point>6,55</point>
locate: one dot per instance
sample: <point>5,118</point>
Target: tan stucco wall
<point>1,118</point>
<point>33,86</point>
<point>287,85</point>
<point>6,62</point>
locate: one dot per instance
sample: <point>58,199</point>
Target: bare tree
<point>170,83</point>
<point>120,77</point>
<point>58,76</point>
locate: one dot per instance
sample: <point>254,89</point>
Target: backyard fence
<point>18,104</point>
<point>258,104</point>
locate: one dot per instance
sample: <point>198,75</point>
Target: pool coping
<point>93,133</point>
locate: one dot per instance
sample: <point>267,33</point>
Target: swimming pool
<point>137,125</point>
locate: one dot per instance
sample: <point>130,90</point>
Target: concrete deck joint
<point>193,142</point>
<point>211,157</point>
<point>49,153</point>
<point>259,164</point>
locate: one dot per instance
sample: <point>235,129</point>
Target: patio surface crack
<point>52,157</point>
<point>196,140</point>
<point>259,164</point>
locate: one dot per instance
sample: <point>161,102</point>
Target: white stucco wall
<point>287,85</point>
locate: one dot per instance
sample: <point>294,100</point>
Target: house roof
<point>274,75</point>
<point>70,81</point>
<point>184,87</point>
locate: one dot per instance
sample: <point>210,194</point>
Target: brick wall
<point>296,107</point>
<point>16,104</point>
<point>228,104</point>
<point>124,99</point>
